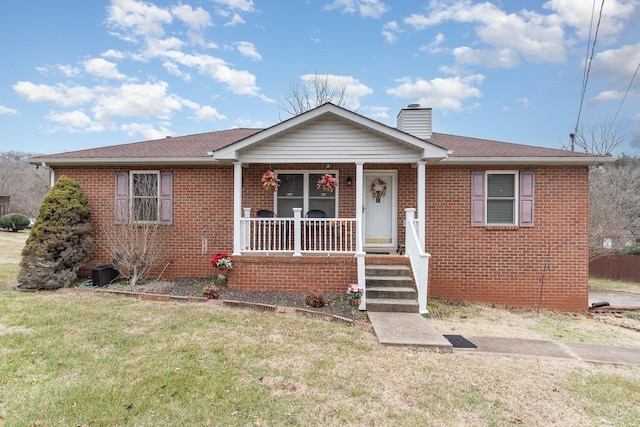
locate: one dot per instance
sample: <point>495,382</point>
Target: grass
<point>70,358</point>
<point>613,285</point>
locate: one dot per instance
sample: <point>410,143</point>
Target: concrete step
<point>387,270</point>
<point>389,281</point>
<point>392,305</point>
<point>375,292</point>
<point>408,329</point>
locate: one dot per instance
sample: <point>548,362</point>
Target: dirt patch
<point>192,286</point>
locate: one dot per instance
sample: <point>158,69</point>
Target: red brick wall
<point>510,265</point>
<point>499,265</point>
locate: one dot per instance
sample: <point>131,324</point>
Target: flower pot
<point>327,189</point>
<point>354,302</point>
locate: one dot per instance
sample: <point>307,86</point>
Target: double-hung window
<point>299,190</point>
<point>502,198</point>
<point>144,196</point>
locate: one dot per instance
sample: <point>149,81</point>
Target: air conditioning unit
<point>104,275</point>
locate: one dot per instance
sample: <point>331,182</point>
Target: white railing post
<point>246,230</point>
<point>418,258</point>
<point>297,232</point>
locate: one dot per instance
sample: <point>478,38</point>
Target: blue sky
<point>80,74</point>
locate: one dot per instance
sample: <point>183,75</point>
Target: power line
<point>588,62</point>
<point>625,94</point>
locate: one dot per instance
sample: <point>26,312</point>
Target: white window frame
<point>515,198</point>
<point>305,197</point>
<point>132,217</point>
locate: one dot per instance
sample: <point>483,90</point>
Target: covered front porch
<point>377,206</point>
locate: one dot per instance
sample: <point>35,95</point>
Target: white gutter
<point>577,161</point>
<point>123,161</point>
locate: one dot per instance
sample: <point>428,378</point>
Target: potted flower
<point>354,293</point>
<point>327,183</point>
<point>222,261</point>
<point>270,181</point>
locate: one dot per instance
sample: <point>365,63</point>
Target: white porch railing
<point>418,258</point>
<point>298,235</point>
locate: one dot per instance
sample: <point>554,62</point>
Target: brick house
<point>476,220</point>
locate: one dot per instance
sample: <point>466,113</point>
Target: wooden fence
<point>616,267</point>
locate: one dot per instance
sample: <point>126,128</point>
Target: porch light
<point>349,181</point>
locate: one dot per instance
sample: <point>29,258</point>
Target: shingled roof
<point>197,149</point>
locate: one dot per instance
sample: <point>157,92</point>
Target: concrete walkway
<point>414,330</point>
<point>407,329</point>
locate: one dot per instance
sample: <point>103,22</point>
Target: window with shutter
<point>144,196</point>
<point>502,198</point>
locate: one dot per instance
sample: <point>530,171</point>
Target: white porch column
<point>421,203</point>
<point>237,207</point>
<point>360,254</point>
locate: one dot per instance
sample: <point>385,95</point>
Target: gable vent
<point>415,121</point>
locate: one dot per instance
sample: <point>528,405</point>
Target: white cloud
<point>353,89</point>
<point>234,8</point>
<point>136,100</point>
<point>196,19</point>
<point>443,93</point>
<point>7,110</point>
<point>378,112</point>
<point>102,68</point>
<point>132,19</point>
<point>146,130</point>
<point>208,113</point>
<point>578,14</point>
<point>390,31</point>
<point>507,37</point>
<point>113,54</point>
<point>434,46</point>
<point>174,70</point>
<point>249,50</point>
<point>366,8</point>
<point>75,121</point>
<point>59,94</point>
<point>618,63</point>
<point>607,96</point>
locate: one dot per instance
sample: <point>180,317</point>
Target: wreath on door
<point>378,189</point>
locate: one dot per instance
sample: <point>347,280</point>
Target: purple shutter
<point>527,185</point>
<point>122,198</point>
<point>166,197</point>
<point>477,198</point>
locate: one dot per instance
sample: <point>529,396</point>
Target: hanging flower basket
<point>270,181</point>
<point>327,183</point>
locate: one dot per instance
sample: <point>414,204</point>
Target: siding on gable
<point>326,140</point>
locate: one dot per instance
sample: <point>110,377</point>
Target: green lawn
<point>78,358</point>
<point>614,285</point>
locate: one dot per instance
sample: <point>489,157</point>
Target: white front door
<point>380,210</point>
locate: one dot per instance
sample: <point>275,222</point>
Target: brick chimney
<point>415,121</point>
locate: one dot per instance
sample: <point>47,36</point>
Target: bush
<point>60,240</point>
<point>632,251</point>
<point>315,299</point>
<point>14,222</point>
<point>211,291</point>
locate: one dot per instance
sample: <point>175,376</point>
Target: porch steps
<point>392,307</point>
<point>390,289</point>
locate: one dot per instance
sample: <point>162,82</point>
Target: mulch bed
<point>192,287</point>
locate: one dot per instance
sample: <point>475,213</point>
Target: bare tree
<point>614,193</point>
<point>25,184</point>
<point>312,91</point>
<point>600,137</point>
<point>137,246</point>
